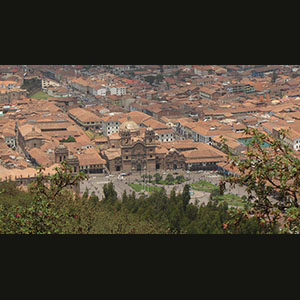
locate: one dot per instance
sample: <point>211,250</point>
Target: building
<point>203,70</point>
<point>136,153</point>
<point>110,124</point>
<point>292,137</point>
<point>117,89</point>
<point>90,162</point>
<point>7,95</point>
<point>80,84</point>
<point>262,71</point>
<point>9,135</point>
<point>240,88</point>
<point>86,119</point>
<point>39,157</point>
<point>29,136</point>
<point>166,135</point>
<point>87,160</point>
<point>204,158</point>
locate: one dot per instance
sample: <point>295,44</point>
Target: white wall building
<point>167,135</point>
<point>117,90</point>
<point>110,125</point>
<point>49,83</point>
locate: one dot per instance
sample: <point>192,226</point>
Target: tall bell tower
<point>149,136</point>
<point>73,161</point>
<point>125,137</point>
<point>60,153</point>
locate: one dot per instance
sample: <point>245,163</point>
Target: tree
<point>222,187</point>
<point>70,139</point>
<point>186,197</point>
<point>211,218</point>
<point>94,199</point>
<point>159,78</point>
<point>272,181</point>
<point>180,179</point>
<point>124,197</point>
<point>86,194</point>
<point>47,212</point>
<point>51,186</point>
<point>150,79</point>
<point>169,179</point>
<point>274,77</point>
<point>174,218</point>
<point>110,195</point>
<point>157,178</point>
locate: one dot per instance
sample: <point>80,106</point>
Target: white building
<point>110,125</point>
<point>97,88</point>
<point>46,83</point>
<point>9,137</point>
<point>118,90</point>
<point>101,92</point>
<point>166,135</point>
<point>293,139</point>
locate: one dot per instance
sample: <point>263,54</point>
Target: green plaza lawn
<point>204,186</point>
<point>231,199</point>
<point>40,95</point>
<point>140,187</point>
<point>208,187</point>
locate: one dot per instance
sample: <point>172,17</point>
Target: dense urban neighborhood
<point>143,128</point>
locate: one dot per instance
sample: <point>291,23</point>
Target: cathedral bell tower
<point>150,136</point>
<point>73,161</point>
<point>125,137</point>
<point>60,153</point>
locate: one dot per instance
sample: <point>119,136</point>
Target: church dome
<point>129,125</point>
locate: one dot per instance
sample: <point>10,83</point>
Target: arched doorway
<point>139,167</point>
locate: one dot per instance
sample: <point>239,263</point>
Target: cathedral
<point>140,150</point>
